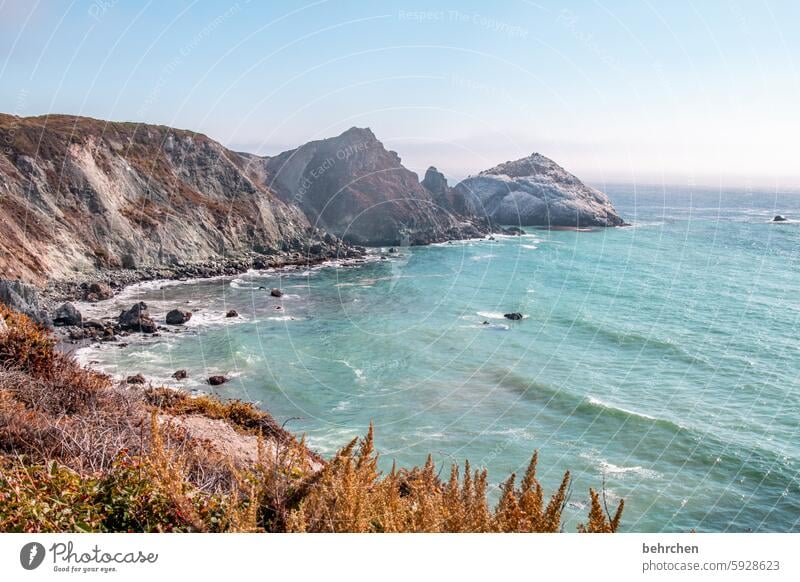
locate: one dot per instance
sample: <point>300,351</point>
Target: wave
<point>646,224</point>
<point>357,372</point>
<point>491,314</point>
<point>240,283</point>
<point>601,404</point>
<point>608,468</point>
<point>212,318</point>
<point>495,315</point>
<point>491,326</point>
<point>634,339</point>
<point>569,404</point>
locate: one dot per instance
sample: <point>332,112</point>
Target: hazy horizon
<point>615,93</point>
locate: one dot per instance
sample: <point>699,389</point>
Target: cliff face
<point>79,195</point>
<point>352,186</point>
<point>535,191</point>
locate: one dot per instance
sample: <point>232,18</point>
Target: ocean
<point>660,361</point>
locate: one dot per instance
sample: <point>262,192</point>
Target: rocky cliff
<point>352,186</point>
<point>79,196</point>
<point>535,191</point>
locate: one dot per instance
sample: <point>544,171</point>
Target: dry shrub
<point>349,495</point>
<point>25,345</point>
<point>600,520</point>
<point>56,382</point>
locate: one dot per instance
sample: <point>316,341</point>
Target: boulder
<point>779,218</point>
<point>178,316</point>
<point>98,292</point>
<point>24,298</point>
<point>180,375</point>
<point>217,380</point>
<point>514,315</point>
<point>136,379</point>
<point>276,293</point>
<point>67,314</point>
<point>232,313</point>
<point>137,318</point>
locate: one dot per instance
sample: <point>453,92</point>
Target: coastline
<point>69,338</point>
<point>77,289</point>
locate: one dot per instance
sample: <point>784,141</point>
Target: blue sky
<point>645,91</point>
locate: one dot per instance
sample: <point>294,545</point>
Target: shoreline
<point>117,280</point>
<point>74,292</point>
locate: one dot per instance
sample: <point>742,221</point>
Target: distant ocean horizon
<point>660,359</point>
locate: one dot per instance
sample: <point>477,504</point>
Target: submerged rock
<point>232,313</point>
<point>67,314</point>
<point>180,375</point>
<point>780,218</point>
<point>514,315</point>
<point>276,293</point>
<point>217,380</point>
<point>178,316</point>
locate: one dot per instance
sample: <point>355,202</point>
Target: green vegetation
<point>78,453</point>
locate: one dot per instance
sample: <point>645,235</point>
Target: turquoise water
<point>662,358</point>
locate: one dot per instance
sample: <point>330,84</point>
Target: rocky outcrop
<point>25,299</point>
<point>67,315</point>
<point>137,318</point>
<point>80,196</point>
<point>535,191</point>
<point>355,188</point>
<point>178,316</point>
<point>444,196</point>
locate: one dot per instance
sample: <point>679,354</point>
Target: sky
<point>694,92</point>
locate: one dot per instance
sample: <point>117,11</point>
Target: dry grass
<point>78,453</point>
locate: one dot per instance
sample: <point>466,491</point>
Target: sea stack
<point>535,191</point>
